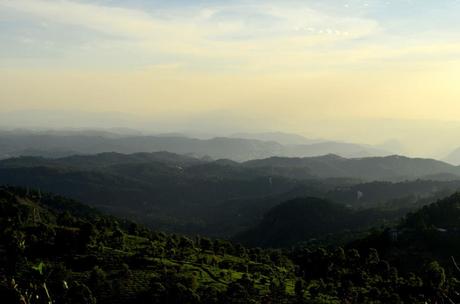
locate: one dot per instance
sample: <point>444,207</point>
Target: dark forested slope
<point>390,168</point>
<point>55,250</point>
<point>189,195</point>
<point>308,219</point>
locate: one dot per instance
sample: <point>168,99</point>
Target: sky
<point>365,71</point>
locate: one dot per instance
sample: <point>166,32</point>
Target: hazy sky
<point>286,65</point>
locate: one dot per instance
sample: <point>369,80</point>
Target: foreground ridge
<point>57,250</point>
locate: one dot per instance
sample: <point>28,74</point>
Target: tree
<point>373,257</point>
<point>237,294</point>
<point>79,294</point>
<point>15,246</point>
<point>98,280</point>
<point>435,276</point>
<point>9,293</point>
<point>299,290</point>
<point>157,292</point>
<point>118,239</point>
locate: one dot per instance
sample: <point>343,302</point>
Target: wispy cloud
<point>109,20</point>
<point>220,31</point>
<point>258,35</point>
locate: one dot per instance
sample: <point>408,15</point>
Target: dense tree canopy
<point>58,251</point>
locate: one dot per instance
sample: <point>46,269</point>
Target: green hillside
<point>56,250</point>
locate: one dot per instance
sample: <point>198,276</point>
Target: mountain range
<point>192,195</point>
<point>65,143</point>
<point>393,167</point>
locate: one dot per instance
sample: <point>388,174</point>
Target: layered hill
<point>59,144</point>
<point>220,198</point>
<point>307,219</point>
<point>372,168</point>
<point>429,233</point>
<point>165,190</point>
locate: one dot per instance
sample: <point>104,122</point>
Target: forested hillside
<point>57,250</point>
<point>220,198</point>
<point>313,220</point>
<point>389,168</point>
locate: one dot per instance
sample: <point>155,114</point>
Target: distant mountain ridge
<point>393,167</point>
<point>453,157</point>
<point>58,144</point>
<point>279,137</point>
<point>389,168</point>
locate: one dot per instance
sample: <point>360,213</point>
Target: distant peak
<point>332,156</point>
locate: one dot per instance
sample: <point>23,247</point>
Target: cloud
<point>218,37</point>
<point>109,20</point>
<point>202,35</point>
